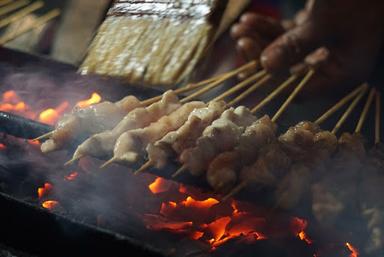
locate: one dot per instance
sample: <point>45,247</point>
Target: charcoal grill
<point>28,228</point>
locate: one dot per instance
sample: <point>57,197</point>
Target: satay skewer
<point>301,85</point>
<point>220,81</point>
<point>275,93</point>
<point>335,108</point>
<point>364,113</point>
<point>190,87</point>
<point>378,118</point>
<point>20,14</point>
<point>293,95</point>
<point>349,110</point>
<point>187,88</point>
<point>13,6</point>
<point>38,22</point>
<point>240,85</point>
<point>5,2</point>
<point>250,90</point>
<point>340,104</point>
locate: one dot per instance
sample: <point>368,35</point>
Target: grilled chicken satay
<point>336,191</point>
<point>131,144</point>
<point>223,170</point>
<point>185,137</point>
<point>102,144</point>
<point>296,183</point>
<point>90,120</point>
<point>222,135</point>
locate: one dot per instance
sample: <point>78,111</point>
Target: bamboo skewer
<point>241,85</point>
<point>275,93</point>
<point>4,2</point>
<point>71,161</point>
<point>185,89</point>
<point>148,164</point>
<point>378,118</point>
<point>363,115</point>
<point>295,92</point>
<point>250,90</point>
<point>349,110</point>
<point>13,6</point>
<point>20,14</point>
<point>152,100</point>
<point>219,81</point>
<point>290,98</point>
<point>39,21</point>
<point>340,104</point>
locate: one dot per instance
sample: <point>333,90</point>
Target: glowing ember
<point>33,142</point>
<point>50,116</point>
<point>197,235</point>
<point>218,228</point>
<point>183,189</point>
<point>208,203</point>
<point>94,99</point>
<point>50,204</point>
<point>158,186</point>
<point>10,97</point>
<point>72,176</point>
<point>303,236</point>
<point>45,190</point>
<point>2,147</point>
<point>352,249</point>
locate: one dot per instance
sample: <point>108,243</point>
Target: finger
<point>249,48</point>
<point>290,48</point>
<point>263,24</point>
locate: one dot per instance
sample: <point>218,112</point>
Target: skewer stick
<point>20,14</point>
<point>73,160</point>
<point>250,90</point>
<point>46,135</point>
<point>11,7</point>
<point>297,90</point>
<point>4,2</point>
<point>180,171</point>
<point>144,167</point>
<point>219,81</point>
<point>38,22</point>
<point>234,191</point>
<point>349,110</point>
<point>340,104</point>
<point>241,85</point>
<point>378,118</point>
<point>275,93</point>
<point>184,89</point>
<point>363,115</point>
<point>107,163</point>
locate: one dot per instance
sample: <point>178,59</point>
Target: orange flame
<point>50,204</point>
<point>71,176</point>
<point>2,147</point>
<point>352,249</point>
<point>45,190</point>
<point>51,116</point>
<point>158,186</point>
<point>208,203</point>
<point>94,99</point>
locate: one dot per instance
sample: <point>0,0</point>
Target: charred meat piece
<point>223,170</point>
<point>88,121</point>
<point>185,137</point>
<point>131,144</point>
<point>102,144</point>
<point>222,135</point>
